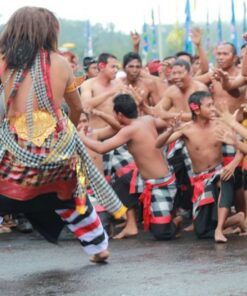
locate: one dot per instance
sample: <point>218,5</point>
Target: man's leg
<point>224,205</point>
<point>122,188</point>
<point>89,230</point>
<point>130,228</point>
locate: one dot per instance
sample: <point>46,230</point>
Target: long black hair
<point>28,30</point>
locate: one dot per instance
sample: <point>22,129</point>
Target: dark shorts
<point>122,187</point>
<point>40,211</point>
<point>46,202</point>
<point>245,179</point>
<point>239,179</point>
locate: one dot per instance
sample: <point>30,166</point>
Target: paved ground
<point>138,267</point>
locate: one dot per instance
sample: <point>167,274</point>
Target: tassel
<point>80,204</point>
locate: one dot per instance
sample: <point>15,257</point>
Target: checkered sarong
<point>32,161</point>
<point>204,185</point>
<point>158,198</point>
<point>115,160</point>
<point>175,148</point>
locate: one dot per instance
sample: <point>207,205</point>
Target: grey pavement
<point>30,266</point>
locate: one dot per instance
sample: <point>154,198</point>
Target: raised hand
<point>97,112</point>
<point>136,93</point>
<point>219,75</point>
<point>176,123</point>
<point>149,110</point>
<point>196,36</point>
<point>226,135</point>
<point>224,114</point>
<point>135,37</point>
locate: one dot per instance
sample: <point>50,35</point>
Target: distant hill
<point>107,39</point>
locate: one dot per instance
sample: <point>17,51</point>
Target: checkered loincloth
<point>175,149</point>
<point>204,186</point>
<point>114,161</point>
<point>158,198</point>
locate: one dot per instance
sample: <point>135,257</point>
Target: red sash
<point>146,198</point>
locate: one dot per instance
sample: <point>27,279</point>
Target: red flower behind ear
<point>194,107</point>
<point>102,65</point>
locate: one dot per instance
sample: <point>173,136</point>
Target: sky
<point>129,15</point>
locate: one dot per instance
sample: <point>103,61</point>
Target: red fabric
<point>227,159</point>
<point>146,198</point>
<point>154,66</point>
<point>64,189</point>
<point>83,230</point>
<point>160,220</point>
<point>171,146</point>
<point>66,214</point>
<point>133,181</point>
<point>198,183</point>
<point>126,169</point>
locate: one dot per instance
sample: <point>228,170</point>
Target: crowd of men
<point>167,139</point>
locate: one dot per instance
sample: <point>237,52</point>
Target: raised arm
<point>196,39</point>
<point>229,137</point>
<point>230,120</point>
<point>228,83</point>
<point>135,38</point>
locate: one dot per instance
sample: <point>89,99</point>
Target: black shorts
<point>122,187</point>
<point>238,178</point>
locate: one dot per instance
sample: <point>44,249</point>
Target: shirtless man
<point>175,98</point>
<point>98,92</point>
<point>160,188</point>
<point>145,87</point>
<point>90,67</point>
<point>205,152</point>
<point>225,55</point>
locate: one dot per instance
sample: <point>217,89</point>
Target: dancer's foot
<point>100,257</point>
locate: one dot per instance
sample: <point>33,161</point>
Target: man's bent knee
<point>163,231</point>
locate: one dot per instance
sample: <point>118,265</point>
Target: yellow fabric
<point>75,84</point>
<point>120,212</point>
<point>55,155</point>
